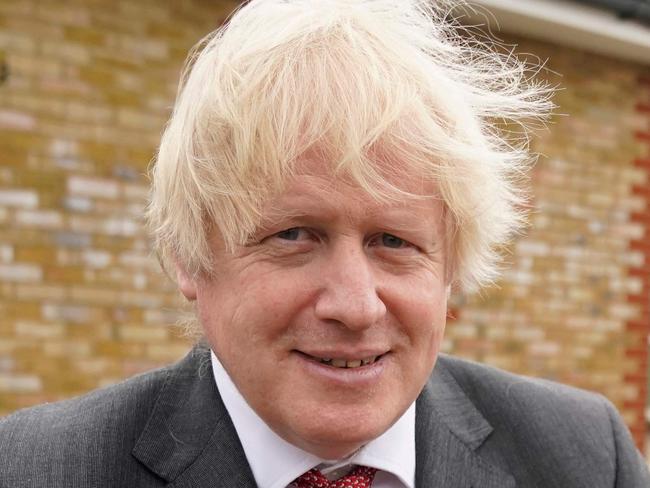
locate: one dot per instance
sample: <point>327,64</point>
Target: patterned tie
<point>359,477</point>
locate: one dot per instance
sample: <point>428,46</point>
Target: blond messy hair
<point>350,79</point>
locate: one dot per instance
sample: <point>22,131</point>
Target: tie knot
<point>359,477</point>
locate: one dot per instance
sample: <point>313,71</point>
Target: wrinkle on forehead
<point>330,199</point>
<point>390,168</point>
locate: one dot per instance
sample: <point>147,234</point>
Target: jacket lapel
<point>189,439</point>
<point>449,429</point>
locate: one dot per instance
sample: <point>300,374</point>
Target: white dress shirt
<point>275,462</point>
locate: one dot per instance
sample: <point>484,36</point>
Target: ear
<point>186,284</point>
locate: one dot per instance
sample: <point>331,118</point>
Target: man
<point>329,172</point>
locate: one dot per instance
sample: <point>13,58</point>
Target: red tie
<point>359,477</point>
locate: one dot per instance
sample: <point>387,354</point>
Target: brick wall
<point>573,305</point>
<point>89,87</point>
<point>82,304</point>
<point>638,326</point>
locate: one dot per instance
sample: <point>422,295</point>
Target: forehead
<point>380,168</point>
<point>315,190</point>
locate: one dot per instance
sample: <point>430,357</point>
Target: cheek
<point>423,296</point>
<point>252,310</point>
<point>215,315</point>
<point>423,313</point>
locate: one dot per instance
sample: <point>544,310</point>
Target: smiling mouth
<point>345,363</point>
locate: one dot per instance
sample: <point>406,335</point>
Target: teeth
<point>353,363</point>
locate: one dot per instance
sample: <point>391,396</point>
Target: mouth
<point>344,363</point>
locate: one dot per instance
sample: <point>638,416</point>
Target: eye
<point>290,242</point>
<point>393,242</point>
<point>390,241</point>
<point>292,234</point>
<point>289,234</point>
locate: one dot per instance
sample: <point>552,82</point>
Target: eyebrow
<point>301,207</point>
<point>307,210</point>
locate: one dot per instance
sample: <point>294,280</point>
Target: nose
<point>349,293</point>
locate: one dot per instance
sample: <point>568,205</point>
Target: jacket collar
<point>449,430</point>
<point>190,440</point>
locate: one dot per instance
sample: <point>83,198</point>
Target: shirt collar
<point>275,462</point>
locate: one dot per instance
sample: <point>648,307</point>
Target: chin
<point>333,453</point>
<point>337,437</point>
<point>332,449</point>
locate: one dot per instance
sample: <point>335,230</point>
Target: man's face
<point>330,319</point>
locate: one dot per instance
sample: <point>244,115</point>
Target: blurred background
<point>86,87</point>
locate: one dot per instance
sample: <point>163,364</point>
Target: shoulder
<point>93,433</point>
<point>498,391</point>
<point>94,407</point>
<point>529,406</point>
<point>542,430</point>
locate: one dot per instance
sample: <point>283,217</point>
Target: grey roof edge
<point>579,24</point>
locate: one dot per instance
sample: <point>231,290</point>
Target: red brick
<point>635,405</point>
<point>643,163</point>
<point>643,217</point>
<point>634,352</point>
<point>638,326</point>
<point>643,246</point>
<point>635,378</point>
<point>642,136</point>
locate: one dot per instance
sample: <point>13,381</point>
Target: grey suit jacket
<point>475,427</point>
